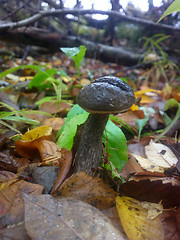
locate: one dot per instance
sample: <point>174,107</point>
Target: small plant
<point>44,79</point>
<point>77,54</point>
<point>160,62</point>
<point>10,117</point>
<point>153,45</point>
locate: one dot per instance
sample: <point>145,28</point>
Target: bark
<point>76,12</point>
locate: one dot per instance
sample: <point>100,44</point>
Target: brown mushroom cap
<point>107,94</point>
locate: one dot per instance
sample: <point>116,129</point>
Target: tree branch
<point>76,12</point>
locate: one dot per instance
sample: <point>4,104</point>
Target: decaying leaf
<point>135,219</point>
<point>86,188</point>
<point>11,194</point>
<point>160,155</point>
<point>154,190</point>
<point>64,164</point>
<point>39,147</point>
<point>50,218</point>
<point>37,133</point>
<point>147,164</point>
<point>49,151</point>
<point>28,144</point>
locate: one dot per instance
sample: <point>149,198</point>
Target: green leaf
<point>170,104</point>
<point>116,146</point>
<point>66,138</point>
<point>79,57</point>
<point>77,54</point>
<point>40,77</point>
<point>33,67</point>
<point>75,110</point>
<point>21,119</point>
<point>142,122</point>
<point>45,99</point>
<point>174,7</point>
<point>70,52</point>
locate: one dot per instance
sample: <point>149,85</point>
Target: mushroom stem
<point>89,151</point>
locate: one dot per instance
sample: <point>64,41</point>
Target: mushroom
<point>103,96</point>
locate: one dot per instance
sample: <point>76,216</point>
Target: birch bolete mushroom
<point>103,96</point>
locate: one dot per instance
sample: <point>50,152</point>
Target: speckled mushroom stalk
<point>103,96</point>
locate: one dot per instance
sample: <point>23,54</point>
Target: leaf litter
<point>151,191</point>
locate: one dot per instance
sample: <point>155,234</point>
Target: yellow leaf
<point>134,107</point>
<point>141,92</point>
<point>2,186</point>
<point>36,133</point>
<point>138,219</point>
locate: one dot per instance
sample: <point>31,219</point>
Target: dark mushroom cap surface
<point>107,94</point>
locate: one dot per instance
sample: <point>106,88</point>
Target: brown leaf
<point>51,108</point>
<point>49,218</point>
<point>171,223</point>
<point>88,189</point>
<point>11,194</point>
<point>56,123</point>
<point>65,164</point>
<point>11,163</point>
<point>166,190</point>
<point>49,151</point>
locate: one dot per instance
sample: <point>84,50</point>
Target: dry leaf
<point>135,220</point>
<point>155,190</point>
<point>28,144</point>
<point>49,151</point>
<point>36,133</point>
<point>50,218</point>
<point>64,164</point>
<point>160,155</point>
<point>147,164</point>
<point>11,194</point>
<point>86,188</point>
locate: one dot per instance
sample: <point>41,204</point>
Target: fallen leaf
<point>50,218</point>
<point>11,194</point>
<point>154,190</point>
<point>49,151</point>
<point>37,133</point>
<point>86,188</point>
<point>147,164</point>
<point>64,165</point>
<point>135,219</point>
<point>160,155</point>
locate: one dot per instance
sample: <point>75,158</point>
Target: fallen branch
<point>9,25</point>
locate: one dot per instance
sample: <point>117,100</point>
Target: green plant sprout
<point>153,45</point>
<point>44,79</point>
<point>169,104</point>
<point>10,118</point>
<point>77,54</point>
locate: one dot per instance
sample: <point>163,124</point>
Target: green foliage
<point>66,138</point>
<point>142,122</point>
<point>153,45</point>
<point>11,117</point>
<point>171,103</point>
<point>115,141</point>
<point>43,79</point>
<point>77,54</point>
<point>115,145</point>
<point>174,7</point>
